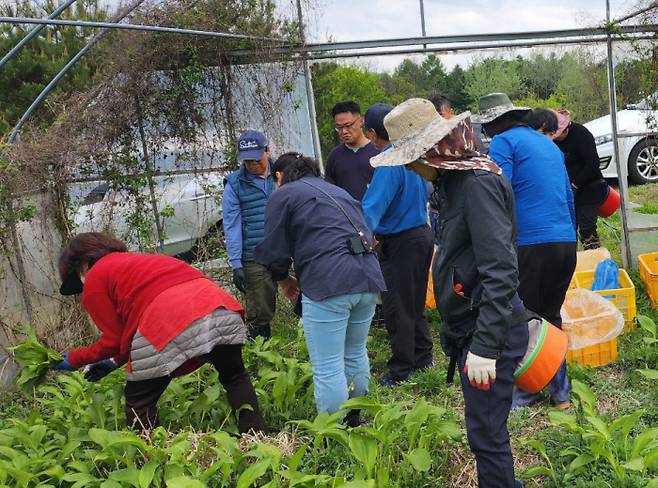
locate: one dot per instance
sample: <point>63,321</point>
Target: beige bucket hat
<point>413,128</point>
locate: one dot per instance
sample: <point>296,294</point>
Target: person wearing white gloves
<point>483,327</point>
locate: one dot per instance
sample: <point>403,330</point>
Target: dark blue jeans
<point>487,411</point>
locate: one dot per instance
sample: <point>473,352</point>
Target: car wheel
<point>643,162</point>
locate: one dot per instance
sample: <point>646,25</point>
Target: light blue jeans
<point>336,330</point>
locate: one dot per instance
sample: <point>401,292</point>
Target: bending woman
<point>161,318</point>
<point>322,229</point>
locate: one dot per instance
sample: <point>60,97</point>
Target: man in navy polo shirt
<point>395,208</point>
<point>348,165</point>
<point>246,192</point>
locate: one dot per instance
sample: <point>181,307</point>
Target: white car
<point>189,205</point>
<point>638,149</point>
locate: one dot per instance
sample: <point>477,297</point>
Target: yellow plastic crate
<point>649,274</point>
<point>623,298</point>
<point>589,260</point>
<point>596,356</point>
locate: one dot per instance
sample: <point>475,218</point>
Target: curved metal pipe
<point>138,27</point>
<point>44,93</point>
<point>14,51</point>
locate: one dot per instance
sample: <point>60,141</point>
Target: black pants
<point>486,414</point>
<point>586,218</point>
<point>142,396</point>
<point>405,261</point>
<point>545,271</point>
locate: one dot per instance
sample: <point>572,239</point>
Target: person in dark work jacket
<point>246,192</point>
<point>582,161</point>
<point>319,226</point>
<point>475,273</point>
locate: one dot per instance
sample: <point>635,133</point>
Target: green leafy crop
<point>35,361</point>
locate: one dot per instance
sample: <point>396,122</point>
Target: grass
<point>646,196</point>
<point>618,387</point>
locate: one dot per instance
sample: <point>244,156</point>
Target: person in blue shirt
<point>246,192</point>
<point>545,216</point>
<point>395,209</point>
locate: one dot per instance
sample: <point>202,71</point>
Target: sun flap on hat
<point>413,146</point>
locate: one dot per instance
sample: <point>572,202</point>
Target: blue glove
<point>101,369</point>
<point>63,365</point>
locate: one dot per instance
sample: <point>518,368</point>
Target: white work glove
<point>481,371</point>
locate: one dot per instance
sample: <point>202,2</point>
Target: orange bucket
<point>610,204</point>
<point>547,348</point>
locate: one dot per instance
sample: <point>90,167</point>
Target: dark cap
<point>251,145</point>
<point>72,285</point>
<point>374,117</point>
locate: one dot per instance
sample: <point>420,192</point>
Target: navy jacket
<point>305,226</point>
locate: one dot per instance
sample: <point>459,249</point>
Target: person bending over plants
<point>483,327</point>
<point>160,317</point>
<point>321,228</point>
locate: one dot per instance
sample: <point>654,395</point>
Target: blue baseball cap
<point>374,116</point>
<point>251,145</point>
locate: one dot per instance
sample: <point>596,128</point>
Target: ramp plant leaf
<point>35,360</point>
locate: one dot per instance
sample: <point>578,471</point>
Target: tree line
<point>575,80</point>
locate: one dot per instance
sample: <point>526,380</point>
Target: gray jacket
<point>219,327</point>
<point>476,258</point>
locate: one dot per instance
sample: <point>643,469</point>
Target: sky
<point>349,20</point>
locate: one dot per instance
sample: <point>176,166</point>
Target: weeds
<point>618,445</point>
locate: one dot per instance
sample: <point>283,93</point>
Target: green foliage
<point>76,435</point>
<point>583,86</point>
<point>23,78</point>
<point>418,80</point>
<point>576,80</point>
<point>35,361</point>
<point>493,75</point>
<point>620,446</point>
<point>649,340</point>
<point>648,208</point>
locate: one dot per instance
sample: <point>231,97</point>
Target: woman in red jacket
<point>161,318</point>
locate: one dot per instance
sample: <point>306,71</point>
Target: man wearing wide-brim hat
<point>475,275</point>
<point>545,216</point>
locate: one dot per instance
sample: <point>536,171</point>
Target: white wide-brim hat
<point>413,128</point>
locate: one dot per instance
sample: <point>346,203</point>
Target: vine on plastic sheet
<point>160,107</point>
